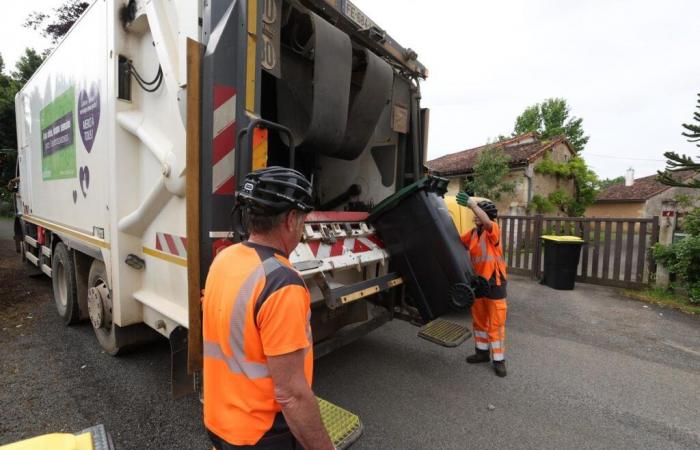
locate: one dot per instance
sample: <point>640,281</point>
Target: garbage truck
<point>134,132</point>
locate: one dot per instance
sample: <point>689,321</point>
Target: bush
<point>691,223</point>
<point>682,258</point>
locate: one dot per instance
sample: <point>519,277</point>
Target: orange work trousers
<point>489,318</point>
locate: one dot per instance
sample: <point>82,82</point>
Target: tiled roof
<point>521,149</point>
<point>641,190</point>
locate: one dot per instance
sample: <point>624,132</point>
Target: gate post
<point>537,252</point>
<point>667,227</point>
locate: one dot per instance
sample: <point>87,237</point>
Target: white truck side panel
<point>64,137</point>
<point>129,180</point>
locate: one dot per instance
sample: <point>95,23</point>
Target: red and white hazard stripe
<point>169,243</point>
<point>344,245</point>
<point>223,160</point>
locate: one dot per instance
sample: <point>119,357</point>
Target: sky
<point>627,67</point>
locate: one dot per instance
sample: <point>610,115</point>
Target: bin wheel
<point>100,308</point>
<point>65,289</point>
<point>461,296</point>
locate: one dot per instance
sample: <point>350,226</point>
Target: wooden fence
<point>615,253</point>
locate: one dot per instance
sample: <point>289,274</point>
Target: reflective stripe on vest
<point>236,362</point>
<point>485,256</point>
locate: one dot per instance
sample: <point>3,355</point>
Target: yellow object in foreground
<point>93,438</point>
<point>569,239</point>
<point>54,441</point>
<point>462,217</point>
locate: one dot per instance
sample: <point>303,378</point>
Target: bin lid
<point>563,239</point>
<point>431,183</point>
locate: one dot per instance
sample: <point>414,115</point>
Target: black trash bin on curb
<point>426,248</point>
<point>561,255</point>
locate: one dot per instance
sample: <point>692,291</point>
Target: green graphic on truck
<point>58,138</point>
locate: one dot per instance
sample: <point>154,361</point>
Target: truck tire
<point>100,308</point>
<point>65,289</point>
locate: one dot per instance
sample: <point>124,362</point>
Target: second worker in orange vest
<point>258,349</point>
<point>489,310</point>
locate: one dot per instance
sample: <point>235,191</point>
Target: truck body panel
<point>103,148</point>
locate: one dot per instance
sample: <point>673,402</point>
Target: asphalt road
<point>587,369</point>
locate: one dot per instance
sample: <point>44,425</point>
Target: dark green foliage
<point>551,119</point>
<point>677,163</point>
<point>9,86</point>
<point>691,222</point>
<point>585,185</point>
<point>27,65</point>
<point>540,205</point>
<point>489,171</point>
<point>683,259</point>
<point>610,181</point>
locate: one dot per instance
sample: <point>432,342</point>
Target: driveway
<point>587,369</point>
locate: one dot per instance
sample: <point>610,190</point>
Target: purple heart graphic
<point>75,196</point>
<point>84,180</point>
<point>89,115</point>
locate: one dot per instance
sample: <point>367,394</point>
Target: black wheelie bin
<point>561,256</point>
<point>425,248</point>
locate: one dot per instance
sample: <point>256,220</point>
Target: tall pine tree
<point>679,163</point>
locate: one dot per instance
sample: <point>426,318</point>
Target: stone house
<point>640,198</point>
<point>525,152</point>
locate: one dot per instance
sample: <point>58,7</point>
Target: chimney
<point>629,177</point>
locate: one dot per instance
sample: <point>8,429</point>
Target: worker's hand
<point>463,198</point>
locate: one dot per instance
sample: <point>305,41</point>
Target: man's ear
<point>290,220</point>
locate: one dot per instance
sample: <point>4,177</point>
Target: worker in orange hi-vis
<point>489,310</point>
<point>258,349</point>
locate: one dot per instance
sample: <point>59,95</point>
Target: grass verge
<point>665,298</point>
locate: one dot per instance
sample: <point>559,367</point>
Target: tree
<point>551,119</point>
<point>27,65</point>
<point>8,89</point>
<point>610,181</point>
<point>678,163</point>
<point>10,84</point>
<point>586,184</point>
<point>489,171</point>
<point>55,26</point>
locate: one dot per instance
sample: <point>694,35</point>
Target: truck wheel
<point>65,289</point>
<point>100,307</point>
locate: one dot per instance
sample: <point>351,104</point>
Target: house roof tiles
<point>641,190</point>
<point>521,150</point>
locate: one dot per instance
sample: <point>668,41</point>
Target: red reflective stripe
<point>313,246</point>
<point>337,248</point>
<point>221,94</point>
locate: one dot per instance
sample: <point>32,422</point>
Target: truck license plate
<point>357,16</point>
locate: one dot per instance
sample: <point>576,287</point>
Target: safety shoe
<point>500,368</point>
<point>481,356</point>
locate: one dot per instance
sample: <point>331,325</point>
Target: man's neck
<point>268,241</point>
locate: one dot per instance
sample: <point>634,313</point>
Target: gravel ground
<point>587,369</point>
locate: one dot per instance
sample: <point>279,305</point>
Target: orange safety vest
<point>486,254</point>
<point>255,306</point>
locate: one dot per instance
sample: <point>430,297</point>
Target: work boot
<point>481,356</point>
<point>500,368</point>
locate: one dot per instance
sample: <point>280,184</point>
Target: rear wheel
<point>65,289</point>
<point>100,308</point>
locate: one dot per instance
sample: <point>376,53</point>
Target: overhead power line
<point>624,157</point>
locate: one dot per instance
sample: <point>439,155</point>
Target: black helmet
<point>489,208</point>
<point>274,190</point>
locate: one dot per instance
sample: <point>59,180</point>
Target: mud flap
<point>445,333</point>
<point>343,427</point>
<point>183,383</point>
